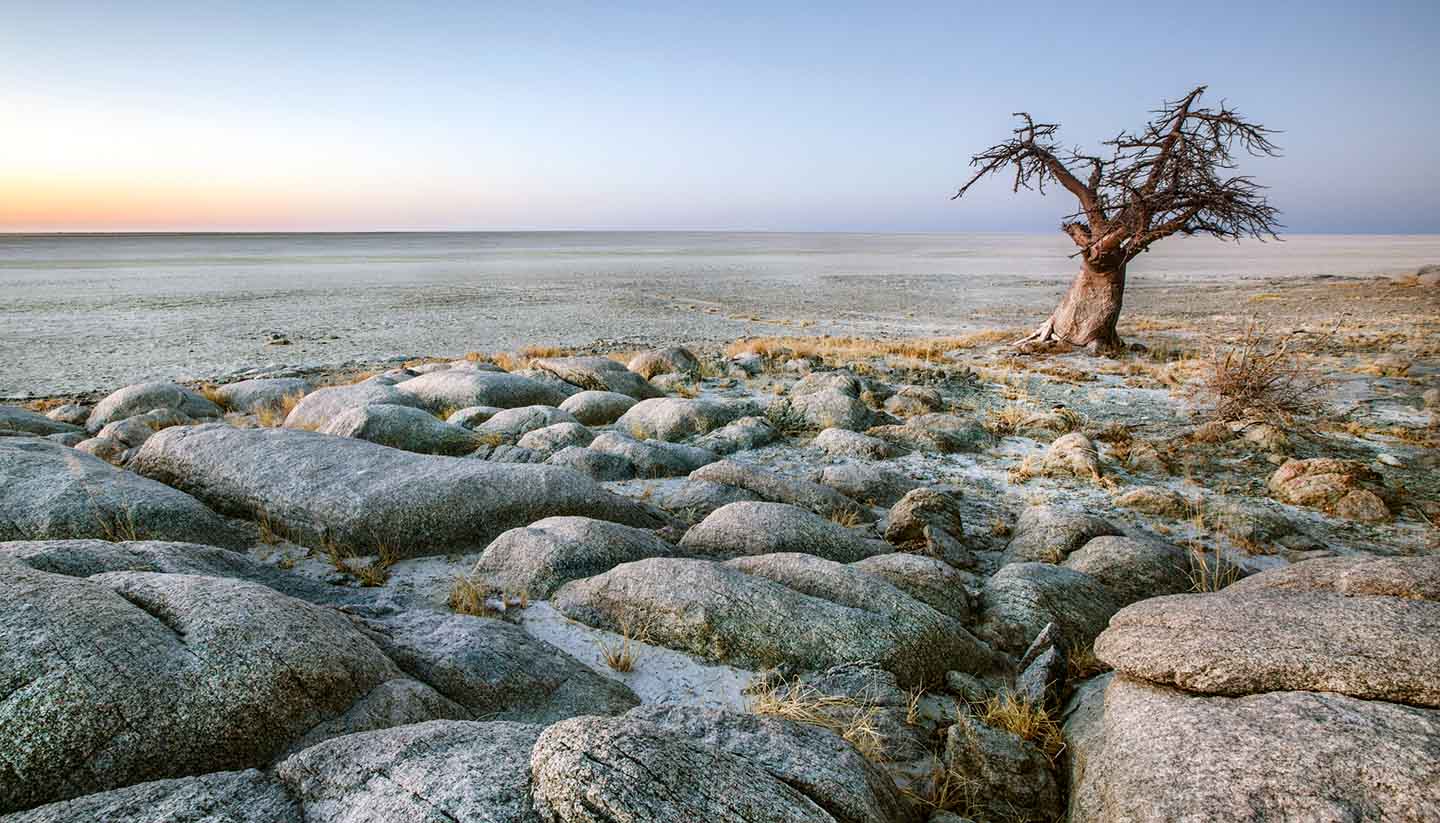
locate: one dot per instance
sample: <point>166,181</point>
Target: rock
<point>1005,774</point>
<point>127,433</point>
<point>15,419</point>
<point>70,439</point>
<point>539,558</point>
<point>1049,534</point>
<point>651,458</point>
<point>495,669</point>
<point>323,405</point>
<point>919,508</point>
<point>318,488</point>
<point>1041,681</point>
<point>740,529</point>
<point>841,381</point>
<point>597,770</point>
<point>443,770</point>
<point>221,797</point>
<point>472,416</point>
<point>402,427</point>
<point>672,360</point>
<point>1155,500</point>
<point>940,433</point>
<point>721,613</point>
<point>546,378</point>
<point>909,401</point>
<point>1430,398</point>
<point>1133,569</point>
<point>933,582</point>
<point>553,438</point>
<point>593,464</point>
<point>1346,488</point>
<point>828,408</point>
<point>1071,454</point>
<point>509,453</point>
<point>598,408</point>
<point>1163,755</point>
<point>74,414</point>
<point>1264,436</point>
<point>869,700</point>
<point>132,676</point>
<point>598,374</point>
<point>53,492</point>
<point>749,364</point>
<point>811,759</point>
<point>742,435</point>
<point>111,451</point>
<point>1021,598</point>
<point>870,485</point>
<point>512,423</point>
<point>1249,522</point>
<point>1373,648</point>
<point>842,443</point>
<point>696,499</point>
<point>674,418</point>
<point>87,558</point>
<point>143,397</point>
<point>1411,578</point>
<point>251,396</point>
<point>777,488</point>
<point>459,389</point>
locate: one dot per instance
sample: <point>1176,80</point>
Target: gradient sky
<point>771,116</point>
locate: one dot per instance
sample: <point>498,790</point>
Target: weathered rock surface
<point>929,580</point>
<point>942,433</point>
<point>594,464</point>
<point>598,770</point>
<point>443,770</point>
<point>493,668</point>
<point>677,418</point>
<point>133,676</point>
<point>314,487</point>
<point>742,435</point>
<point>697,499</point>
<point>1163,755</point>
<point>830,408</point>
<point>539,558</point>
<point>1411,578</point>
<point>868,484</point>
<point>222,797</point>
<point>921,508</point>
<point>1347,488</point>
<point>1132,568</point>
<point>1155,500</point>
<point>143,397</point>
<point>24,421</point>
<point>1373,648</point>
<point>1071,455</point>
<point>512,423</point>
<point>598,408</point>
<point>741,529</point>
<point>323,405</point>
<point>402,427</point>
<point>813,760</point>
<point>778,488</point>
<point>53,492</point>
<point>721,613</point>
<point>653,459</point>
<point>250,396</point>
<point>598,374</point>
<point>472,416</point>
<point>461,388</point>
<point>1022,598</point>
<point>844,443</point>
<point>1048,534</point>
<point>553,438</point>
<point>74,414</point>
<point>672,360</point>
<point>1007,773</point>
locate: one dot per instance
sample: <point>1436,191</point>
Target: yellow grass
<point>924,349</point>
<point>851,719</point>
<point>273,416</point>
<point>1019,716</point>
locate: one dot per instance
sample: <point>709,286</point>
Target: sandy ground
<point>72,330</point>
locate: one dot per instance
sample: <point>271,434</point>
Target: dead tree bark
<point>1164,180</point>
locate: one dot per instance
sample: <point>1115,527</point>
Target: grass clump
<point>1024,719</point>
<point>273,416</point>
<point>1210,571</point>
<point>467,598</point>
<point>853,720</point>
<point>622,654</point>
<point>1258,376</point>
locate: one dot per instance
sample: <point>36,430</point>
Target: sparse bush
<point>1027,720</point>
<point>1257,376</point>
<point>274,416</point>
<point>467,598</point>
<point>621,655</point>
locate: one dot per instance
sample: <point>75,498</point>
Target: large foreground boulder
<point>721,613</point>
<point>248,796</point>
<point>1373,648</point>
<point>323,489</point>
<point>402,427</point>
<point>1412,578</point>
<point>743,528</point>
<point>132,676</point>
<point>539,558</point>
<point>459,388</point>
<point>143,397</point>
<point>48,491</point>
<point>1162,755</point>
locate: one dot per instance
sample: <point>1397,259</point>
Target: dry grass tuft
<point>925,350</point>
<point>847,517</point>
<point>1082,664</point>
<point>467,598</point>
<point>44,404</point>
<point>1210,571</point>
<point>211,392</point>
<point>621,655</point>
<point>851,719</point>
<point>1029,721</point>
<point>1259,377</point>
<point>1006,420</point>
<point>534,352</point>
<point>274,416</point>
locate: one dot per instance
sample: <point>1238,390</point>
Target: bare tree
<point>1170,178</point>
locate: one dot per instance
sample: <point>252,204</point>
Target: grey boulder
<point>1022,598</point>
<point>250,396</point>
<point>1134,569</point>
<point>746,528</point>
<point>778,488</point>
<point>248,796</point>
<point>513,423</point>
<point>672,360</point>
<point>402,427</point>
<point>674,418</point>
<point>324,405</point>
<point>23,421</point>
<point>868,484</point>
<point>742,435</point>
<point>143,397</point>
<point>598,408</point>
<point>652,458</point>
<point>1048,534</point>
<point>459,388</point>
<point>598,374</point>
<point>844,443</point>
<point>593,464</point>
<point>541,557</point>
<point>553,438</point>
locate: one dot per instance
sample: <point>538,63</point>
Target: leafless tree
<point>1173,177</point>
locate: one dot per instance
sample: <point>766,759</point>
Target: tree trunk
<point>1087,314</point>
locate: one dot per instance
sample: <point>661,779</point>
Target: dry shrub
<point>211,392</point>
<point>274,416</point>
<point>533,352</point>
<point>853,720</point>
<point>1027,720</point>
<point>621,655</point>
<point>1006,420</point>
<point>1258,376</point>
<point>1210,571</point>
<point>467,598</point>
<point>848,517</point>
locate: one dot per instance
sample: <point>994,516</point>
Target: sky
<point>772,116</point>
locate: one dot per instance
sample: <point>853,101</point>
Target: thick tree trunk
<point>1087,314</point>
